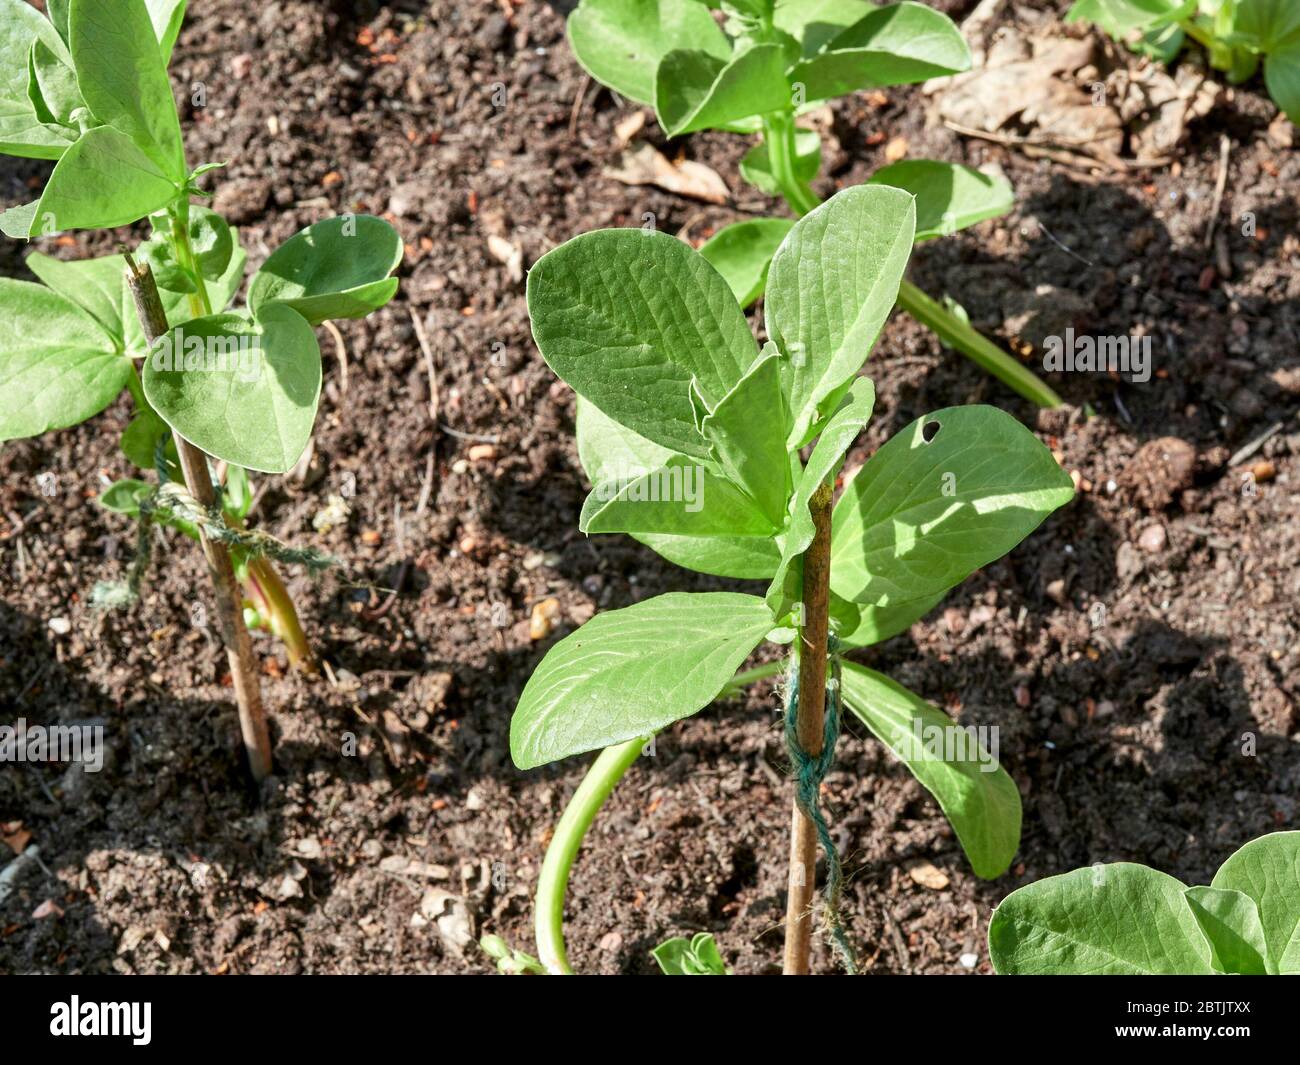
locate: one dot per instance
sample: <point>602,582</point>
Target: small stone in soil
<point>1153,539</point>
<point>60,626</point>
<point>969,961</point>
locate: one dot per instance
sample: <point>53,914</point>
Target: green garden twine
<point>809,772</point>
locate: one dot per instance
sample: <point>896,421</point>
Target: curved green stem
<point>779,133</point>
<point>553,881</point>
<point>975,346</point>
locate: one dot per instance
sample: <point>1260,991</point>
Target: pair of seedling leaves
<point>692,435</point>
<point>1240,33</point>
<point>783,59</point>
<point>242,386</point>
<point>1127,919</point>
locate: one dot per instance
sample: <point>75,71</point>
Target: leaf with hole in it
<point>123,78</point>
<point>1110,920</point>
<point>620,42</point>
<point>756,166</point>
<point>101,182</point>
<point>950,493</point>
<point>629,318</point>
<point>695,90</point>
<point>831,286</point>
<point>630,672</point>
<point>1267,870</point>
<point>610,451</point>
<point>835,440</point>
<point>742,253</point>
<point>22,132</point>
<point>1230,921</point>
<point>338,268</point>
<point>58,366</point>
<point>95,285</point>
<point>241,389</point>
<point>976,794</point>
<point>895,45</point>
<point>949,197</point>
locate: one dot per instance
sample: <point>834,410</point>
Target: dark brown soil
<point>1123,725</point>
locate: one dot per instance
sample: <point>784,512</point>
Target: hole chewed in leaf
<point>929,431</point>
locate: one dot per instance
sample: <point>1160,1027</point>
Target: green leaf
<point>1273,23</point>
<point>631,672</point>
<point>1109,920</point>
<point>620,42</point>
<point>244,390</point>
<point>974,791</point>
<point>1230,921</point>
<point>338,268</point>
<point>101,182</point>
<point>123,497</point>
<point>123,78</point>
<point>895,45</point>
<point>52,86</point>
<point>684,497</point>
<point>609,450</point>
<point>817,22</point>
<point>832,284</point>
<point>756,166</point>
<point>22,132</point>
<point>742,253</point>
<point>1268,870</point>
<point>58,366</point>
<point>237,498</point>
<point>835,440</point>
<point>697,956</point>
<point>952,492</point>
<point>949,197</point>
<point>140,439</point>
<point>1282,77</point>
<point>879,623</point>
<point>628,318</point>
<point>58,12</point>
<point>746,436</point>
<point>695,90</point>
<point>1120,18</point>
<point>95,285</point>
<point>166,16</point>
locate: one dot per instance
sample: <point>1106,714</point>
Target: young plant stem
<point>811,645</point>
<point>779,133</point>
<point>553,881</point>
<point>194,465</point>
<point>269,596</point>
<point>975,346</point>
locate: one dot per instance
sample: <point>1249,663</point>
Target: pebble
<point>1056,591</point>
<point>610,942</point>
<point>969,961</point>
<point>460,466</point>
<point>60,626</point>
<point>1153,539</point>
<point>543,618</point>
<point>480,452</point>
<point>1263,471</point>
